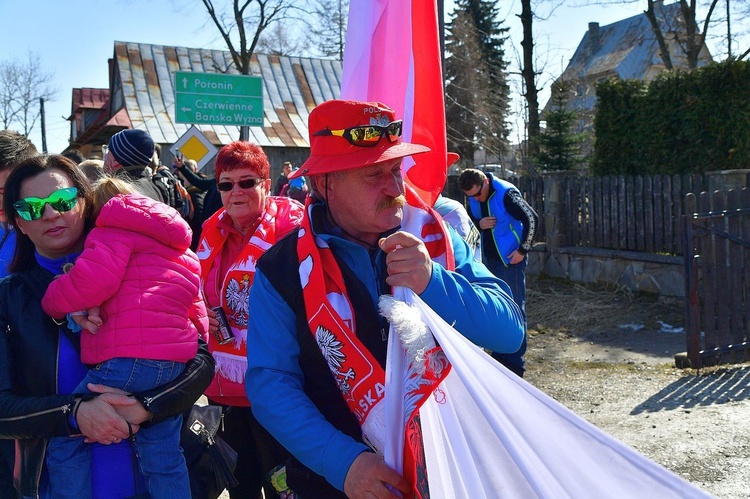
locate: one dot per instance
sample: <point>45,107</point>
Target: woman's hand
<point>100,422</point>
<point>126,406</point>
<point>213,322</point>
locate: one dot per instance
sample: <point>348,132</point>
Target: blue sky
<point>75,38</point>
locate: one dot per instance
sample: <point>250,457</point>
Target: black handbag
<point>210,460</point>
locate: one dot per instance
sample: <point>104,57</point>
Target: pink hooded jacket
<point>136,265</point>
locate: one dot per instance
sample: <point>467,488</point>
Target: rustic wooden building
<point>141,95</point>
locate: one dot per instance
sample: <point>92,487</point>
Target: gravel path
<point>625,382</point>
<point>606,356</point>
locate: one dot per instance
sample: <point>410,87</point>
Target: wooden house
<point>627,49</point>
<point>141,95</point>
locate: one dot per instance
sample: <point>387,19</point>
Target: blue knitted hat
<point>132,147</point>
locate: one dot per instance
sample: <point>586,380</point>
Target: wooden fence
<point>631,213</point>
<point>627,213</point>
<point>717,271</point>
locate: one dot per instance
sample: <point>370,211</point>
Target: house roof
<point>89,98</point>
<point>627,48</point>
<point>292,87</point>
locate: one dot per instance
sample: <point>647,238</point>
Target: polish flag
<point>393,56</point>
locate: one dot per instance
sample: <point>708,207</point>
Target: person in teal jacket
<point>507,224</point>
<point>357,218</point>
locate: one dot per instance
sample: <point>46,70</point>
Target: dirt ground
<point>605,354</point>
<point>608,355</point>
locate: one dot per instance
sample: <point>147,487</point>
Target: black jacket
<point>141,178</point>
<point>30,409</point>
<point>212,199</point>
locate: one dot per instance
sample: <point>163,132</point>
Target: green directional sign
<point>218,99</point>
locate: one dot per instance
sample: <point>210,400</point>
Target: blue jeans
<point>160,458</point>
<point>515,277</point>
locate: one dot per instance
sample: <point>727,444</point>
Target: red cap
<point>331,153</point>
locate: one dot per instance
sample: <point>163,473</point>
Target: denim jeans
<point>515,277</point>
<point>160,458</point>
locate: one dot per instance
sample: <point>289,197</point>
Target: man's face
<point>479,192</point>
<point>367,201</point>
<point>287,169</point>
<point>110,163</point>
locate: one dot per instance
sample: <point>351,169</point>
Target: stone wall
<point>641,272</point>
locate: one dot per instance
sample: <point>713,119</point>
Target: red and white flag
<point>486,433</point>
<point>393,56</point>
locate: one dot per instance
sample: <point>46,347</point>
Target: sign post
<point>218,99</point>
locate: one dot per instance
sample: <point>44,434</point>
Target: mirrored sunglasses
<point>367,135</point>
<point>61,200</point>
<point>476,194</point>
<point>247,183</point>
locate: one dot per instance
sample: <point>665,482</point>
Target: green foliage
<point>559,146</point>
<point>683,122</point>
<point>477,91</point>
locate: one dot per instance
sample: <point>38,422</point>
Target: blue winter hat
<point>132,147</point>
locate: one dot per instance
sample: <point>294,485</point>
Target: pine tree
<point>559,146</point>
<point>477,91</point>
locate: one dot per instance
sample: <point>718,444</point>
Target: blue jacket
<point>7,249</point>
<point>477,303</point>
<point>507,231</point>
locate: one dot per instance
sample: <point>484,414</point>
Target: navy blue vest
<point>280,266</point>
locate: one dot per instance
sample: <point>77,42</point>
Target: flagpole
<point>441,30</point>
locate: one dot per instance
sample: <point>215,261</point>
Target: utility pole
<point>44,128</point>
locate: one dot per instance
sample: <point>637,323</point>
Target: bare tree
<point>242,26</point>
<point>328,26</point>
<point>684,30</point>
<point>241,29</point>
<point>529,75</point>
<point>22,83</point>
<point>278,40</point>
<point>8,93</point>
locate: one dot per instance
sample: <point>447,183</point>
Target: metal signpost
<point>218,99</point>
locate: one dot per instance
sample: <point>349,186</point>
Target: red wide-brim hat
<point>331,153</point>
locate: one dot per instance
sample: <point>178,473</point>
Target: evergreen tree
<point>559,147</point>
<point>477,91</point>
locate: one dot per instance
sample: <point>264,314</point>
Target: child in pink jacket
<point>136,267</point>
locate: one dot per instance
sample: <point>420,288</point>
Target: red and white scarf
<point>331,319</point>
<point>231,358</point>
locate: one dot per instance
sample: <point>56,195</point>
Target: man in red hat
<point>316,342</point>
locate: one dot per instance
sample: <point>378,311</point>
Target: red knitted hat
<point>331,153</point>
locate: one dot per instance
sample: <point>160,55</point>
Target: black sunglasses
<point>367,135</point>
<point>247,183</point>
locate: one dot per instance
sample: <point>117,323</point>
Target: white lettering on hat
<point>370,110</point>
